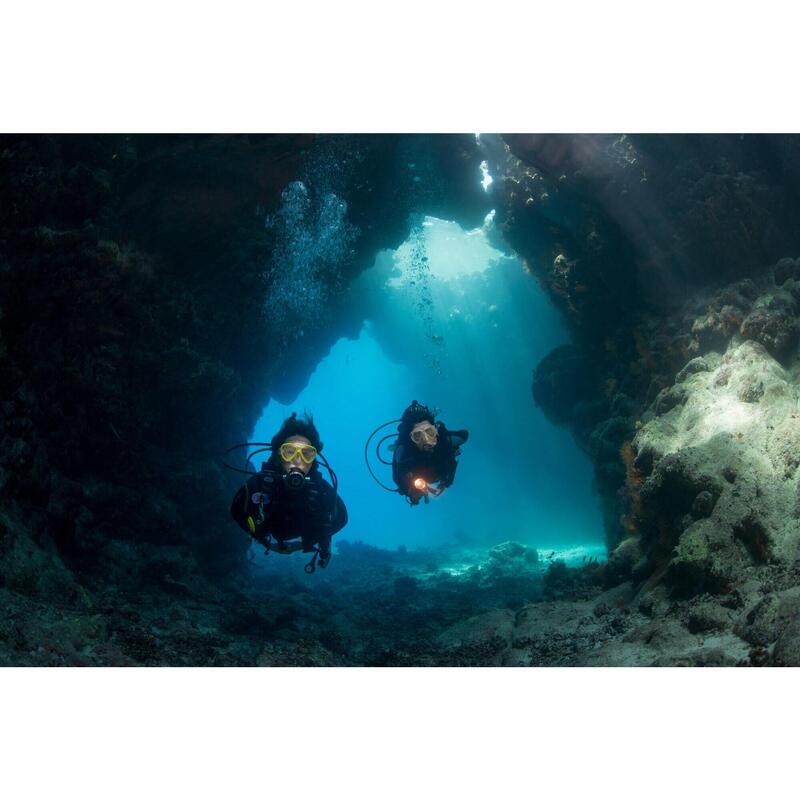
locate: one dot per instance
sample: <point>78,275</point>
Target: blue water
<point>454,323</point>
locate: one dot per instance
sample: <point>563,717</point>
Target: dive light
<point>421,485</point>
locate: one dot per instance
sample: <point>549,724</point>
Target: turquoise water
<point>454,323</point>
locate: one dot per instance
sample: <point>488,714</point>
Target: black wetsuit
<point>438,465</point>
<point>284,513</point>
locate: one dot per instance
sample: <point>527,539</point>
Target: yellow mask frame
<point>307,452</point>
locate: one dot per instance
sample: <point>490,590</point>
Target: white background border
<point>415,66</point>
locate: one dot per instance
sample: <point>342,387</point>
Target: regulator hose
<point>366,453</point>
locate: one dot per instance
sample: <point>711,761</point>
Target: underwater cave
<point>459,324</point>
<point>613,318</point>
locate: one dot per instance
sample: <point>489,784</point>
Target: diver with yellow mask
<point>289,500</point>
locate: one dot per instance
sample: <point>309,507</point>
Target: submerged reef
<point>376,607</point>
<point>668,256</point>
<point>137,274</point>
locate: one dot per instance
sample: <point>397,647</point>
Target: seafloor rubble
<point>372,607</point>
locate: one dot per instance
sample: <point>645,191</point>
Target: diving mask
<point>426,435</point>
<point>289,451</point>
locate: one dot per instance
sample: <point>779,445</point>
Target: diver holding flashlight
<point>424,461</point>
<point>289,499</point>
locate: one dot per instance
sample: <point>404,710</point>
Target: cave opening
<point>454,321</point>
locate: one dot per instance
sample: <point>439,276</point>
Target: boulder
<point>764,621</point>
<point>708,616</point>
<point>775,328</point>
<point>787,648</point>
<point>622,560</point>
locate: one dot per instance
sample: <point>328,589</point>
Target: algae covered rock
<point>785,269</point>
<point>696,365</point>
<point>562,381</point>
<point>623,560</point>
<point>787,648</point>
<point>690,567</point>
<point>765,621</point>
<point>31,569</point>
<point>510,552</point>
<point>703,504</point>
<point>774,328</point>
<point>721,487</point>
<point>707,616</point>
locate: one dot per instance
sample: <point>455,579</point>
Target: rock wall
<point>714,480</point>
<point>140,301</point>
<point>623,232</point>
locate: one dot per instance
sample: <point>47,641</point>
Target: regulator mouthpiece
<point>294,480</point>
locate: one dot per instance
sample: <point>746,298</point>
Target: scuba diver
<point>424,454</point>
<point>289,499</point>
